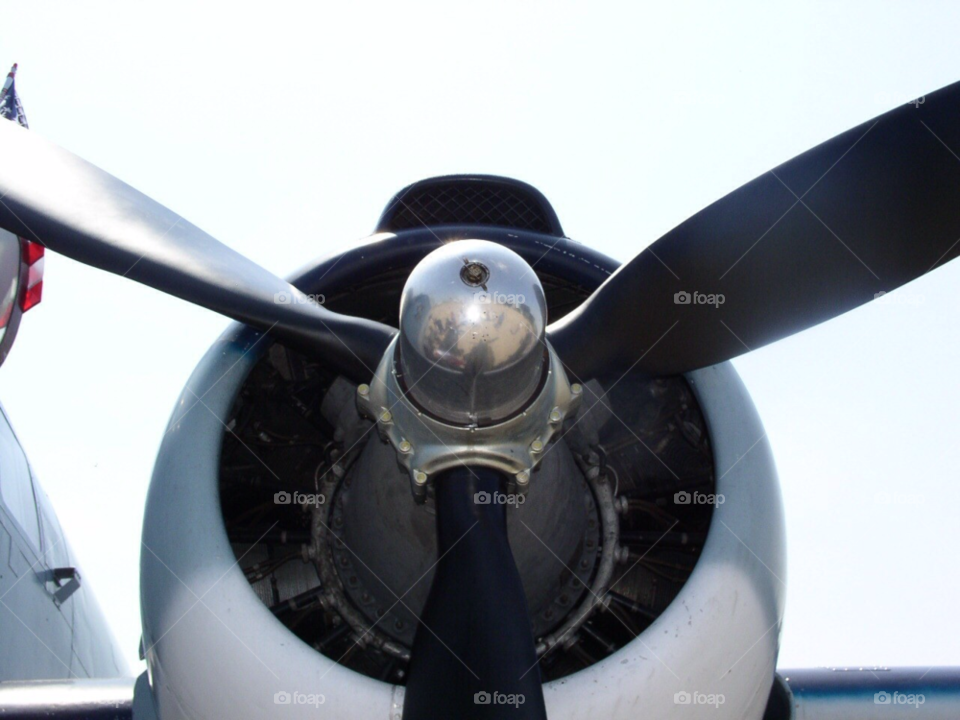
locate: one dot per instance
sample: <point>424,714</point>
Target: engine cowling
<point>214,648</point>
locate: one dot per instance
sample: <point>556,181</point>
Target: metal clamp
<point>426,445</point>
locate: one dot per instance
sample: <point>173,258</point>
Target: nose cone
<point>472,322</point>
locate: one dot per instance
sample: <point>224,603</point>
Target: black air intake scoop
<point>470,200</point>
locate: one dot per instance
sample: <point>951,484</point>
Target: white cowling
<point>214,650</point>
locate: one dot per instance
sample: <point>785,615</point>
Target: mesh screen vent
<point>468,203</point>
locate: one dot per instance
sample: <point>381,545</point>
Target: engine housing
<point>718,636</point>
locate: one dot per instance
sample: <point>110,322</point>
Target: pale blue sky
<point>283,131</point>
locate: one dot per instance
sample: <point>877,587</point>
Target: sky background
<point>284,130</point>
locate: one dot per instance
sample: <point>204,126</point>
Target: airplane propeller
<point>853,218</point>
<point>479,640</point>
<point>857,216</point>
<point>51,196</point>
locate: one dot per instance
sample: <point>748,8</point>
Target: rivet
<point>523,477</point>
<point>537,446</point>
<point>576,388</point>
<point>419,477</point>
<point>555,415</point>
<point>363,389</point>
<point>405,446</point>
<point>386,416</point>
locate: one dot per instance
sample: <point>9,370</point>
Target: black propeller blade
<point>473,656</point>
<point>859,215</point>
<point>51,196</point>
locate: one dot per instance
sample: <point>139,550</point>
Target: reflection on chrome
<point>472,321</point>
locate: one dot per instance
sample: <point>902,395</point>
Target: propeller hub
<point>471,349</point>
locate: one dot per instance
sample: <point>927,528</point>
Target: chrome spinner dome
<point>472,321</point>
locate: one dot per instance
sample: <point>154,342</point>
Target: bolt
<point>363,390</point>
<point>555,415</point>
<point>536,446</point>
<point>523,477</point>
<point>576,388</point>
<point>405,447</point>
<point>474,273</point>
<point>419,477</point>
<point>386,417</point>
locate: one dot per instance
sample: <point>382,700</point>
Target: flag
<point>30,253</point>
<point>10,106</point>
